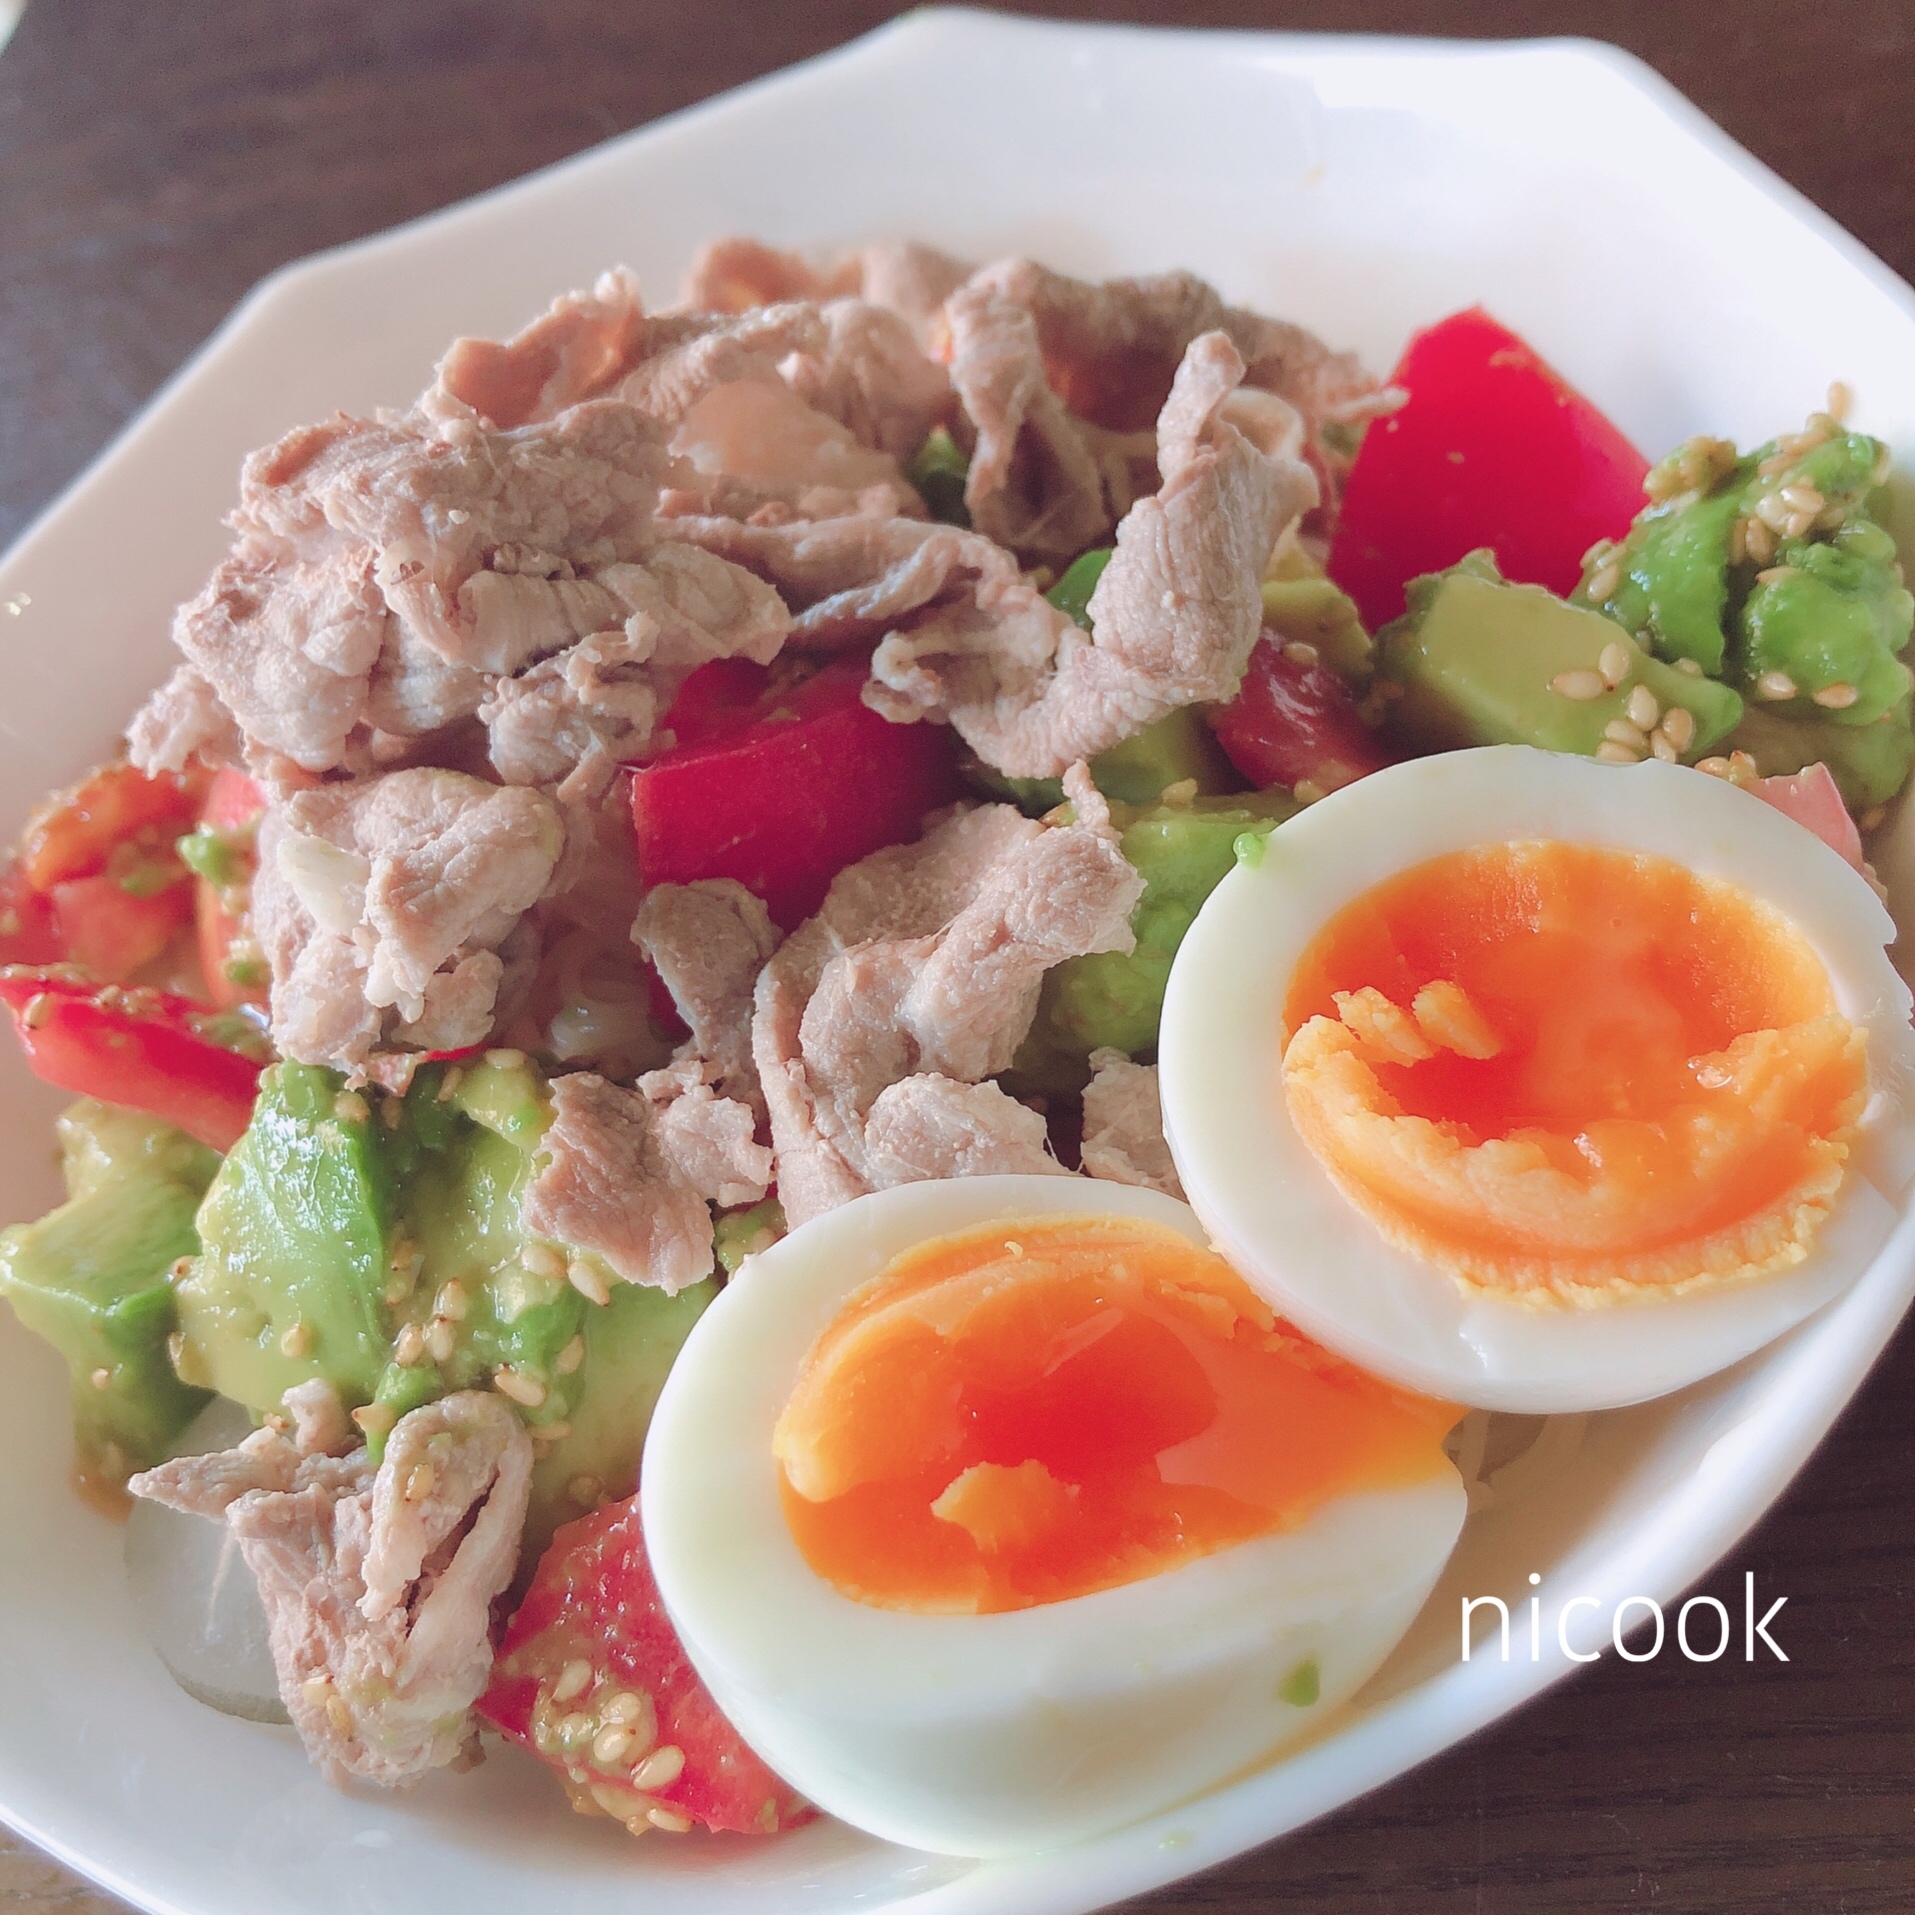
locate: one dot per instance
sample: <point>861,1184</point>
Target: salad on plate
<point>831,1045</point>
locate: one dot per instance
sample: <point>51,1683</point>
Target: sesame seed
<point>660,1769</point>
<point>1775,685</point>
<point>102,1378</point>
<point>1581,686</point>
<point>1614,663</point>
<point>1758,541</point>
<point>1839,401</point>
<point>419,1481</point>
<point>1803,498</point>
<point>1603,584</point>
<point>451,1301</point>
<point>1299,652</point>
<point>409,1346</point>
<point>1800,525</point>
<point>1307,791</point>
<point>1871,819</point>
<point>1837,697</point>
<point>1180,795</point>
<point>546,1434</point>
<point>611,1801</point>
<point>583,1491</point>
<point>448,1084</point>
<point>576,1731</point>
<point>1772,574</point>
<point>506,1060</point>
<point>1644,708</point>
<point>350,1108</point>
<point>1598,552</point>
<point>611,1746</point>
<point>569,1358</point>
<point>1679,727</point>
<point>1612,752</point>
<point>314,1690</point>
<point>587,1281</point>
<point>669,1820</point>
<point>39,1009</point>
<point>339,1715</point>
<point>524,1390</point>
<point>574,1679</point>
<point>627,1708</point>
<point>374,1419</point>
<point>297,1341</point>
<point>1715,767</point>
<point>1738,541</point>
<point>1664,750</point>
<point>542,1260</point>
<point>439,1340</point>
<point>1623,731</point>
<point>1742,768</point>
<point>176,1349</point>
<point>1012,1248</point>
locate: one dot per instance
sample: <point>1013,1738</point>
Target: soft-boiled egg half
<point>999,1512</point>
<point>1538,1083</point>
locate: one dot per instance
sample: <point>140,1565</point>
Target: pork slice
<point>911,280</point>
<point>1174,616</point>
<point>378,1586</point>
<point>288,646</point>
<point>708,941</point>
<point>872,376</point>
<point>606,1187</point>
<point>1124,1125</point>
<point>666,385</point>
<point>462,1002</point>
<point>735,274</point>
<point>181,720</point>
<point>708,1141</point>
<point>434,510</point>
<point>924,963</point>
<point>929,1126</point>
<point>414,691</point>
<point>582,345</point>
<point>1034,484</point>
<point>851,579</point>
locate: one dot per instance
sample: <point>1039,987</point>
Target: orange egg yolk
<point>1048,1407</point>
<point>1571,1073</point>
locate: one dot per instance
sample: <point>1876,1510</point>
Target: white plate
<point>1362,187</point>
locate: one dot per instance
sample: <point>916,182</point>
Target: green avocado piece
<point>1870,763</point>
<point>1831,616</point>
<point>1312,611</point>
<point>1108,999</point>
<point>295,1238</point>
<point>630,1343</point>
<point>94,1277</point>
<point>738,1234</point>
<point>1477,661</point>
<point>1675,580</point>
<point>1177,747</point>
<point>1072,593</point>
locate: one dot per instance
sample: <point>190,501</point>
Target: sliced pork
<point>627,1178</point>
<point>924,963</point>
<point>1124,1125</point>
<point>1175,614</point>
<point>377,1585</point>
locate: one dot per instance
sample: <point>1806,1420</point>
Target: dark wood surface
<point>156,159</point>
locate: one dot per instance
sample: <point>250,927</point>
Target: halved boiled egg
<point>1540,1083</point>
<point>999,1512</point>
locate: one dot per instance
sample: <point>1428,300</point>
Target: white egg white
<point>993,1735</point>
<point>1273,1210</point>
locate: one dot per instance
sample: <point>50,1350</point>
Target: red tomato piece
<point>1292,724</point>
<point>233,804</point>
<point>1491,448</point>
<point>27,931</point>
<point>781,785</point>
<point>143,1049</point>
<point>112,931</point>
<point>74,831</point>
<point>593,1628</point>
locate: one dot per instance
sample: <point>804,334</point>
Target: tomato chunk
<point>592,1649</point>
<point>1296,724</point>
<point>112,931</point>
<point>781,784</point>
<point>223,847</point>
<point>74,832</point>
<point>1491,448</point>
<point>28,934</point>
<point>144,1049</point>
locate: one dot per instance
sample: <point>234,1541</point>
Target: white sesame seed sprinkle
<point>1581,686</point>
<point>1623,731</point>
<point>574,1679</point>
<point>1614,663</point>
<point>1612,752</point>
<point>660,1769</point>
<point>1775,685</point>
<point>1644,708</point>
<point>1837,697</point>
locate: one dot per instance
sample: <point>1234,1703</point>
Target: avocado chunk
<point>1178,747</point>
<point>1478,661</point>
<point>295,1240</point>
<point>738,1234</point>
<point>1116,1000</point>
<point>1768,571</point>
<point>1314,612</point>
<point>94,1277</point>
<point>1870,763</point>
<point>628,1346</point>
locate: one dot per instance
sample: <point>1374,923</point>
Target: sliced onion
<point>194,1596</point>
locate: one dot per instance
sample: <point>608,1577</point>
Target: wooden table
<point>156,160</point>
